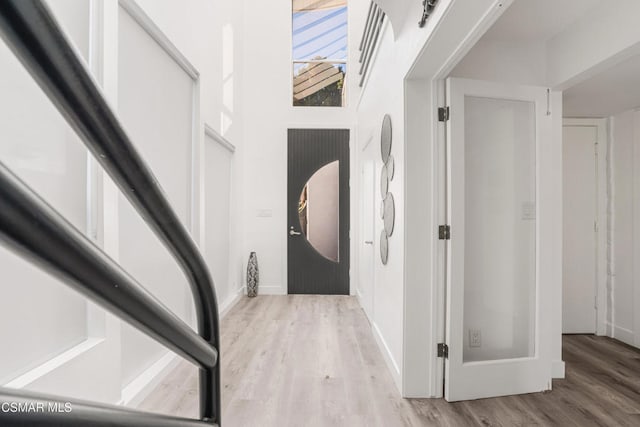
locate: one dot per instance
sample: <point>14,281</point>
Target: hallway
<point>312,361</point>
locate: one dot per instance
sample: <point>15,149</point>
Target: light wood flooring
<point>313,361</point>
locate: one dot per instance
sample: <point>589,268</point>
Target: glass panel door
<point>500,229</point>
<point>499,343</point>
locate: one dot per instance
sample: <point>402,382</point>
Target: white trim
<point>444,47</point>
<point>196,176</point>
<point>603,310</point>
<point>623,334</point>
<point>213,134</point>
<point>231,301</point>
<point>557,369</point>
<point>53,363</point>
<point>270,290</point>
<point>320,61</point>
<point>146,23</point>
<point>137,390</point>
<point>438,99</point>
<point>134,393</point>
<point>387,355</point>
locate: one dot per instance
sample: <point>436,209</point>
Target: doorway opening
<point>575,188</point>
<point>584,148</point>
<point>607,104</point>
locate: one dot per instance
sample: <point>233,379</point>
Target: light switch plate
<point>529,210</point>
<point>475,338</point>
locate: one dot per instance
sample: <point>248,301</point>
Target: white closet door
<point>497,333</point>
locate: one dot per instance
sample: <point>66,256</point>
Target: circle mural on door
<point>319,211</point>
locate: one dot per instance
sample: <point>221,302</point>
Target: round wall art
<point>384,247</point>
<point>384,182</point>
<point>391,167</point>
<point>389,214</point>
<point>385,138</point>
<point>387,208</point>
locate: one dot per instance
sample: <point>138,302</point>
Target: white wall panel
<point>218,173</point>
<point>626,218</point>
<point>42,317</point>
<point>155,104</point>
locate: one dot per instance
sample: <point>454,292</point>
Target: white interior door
<point>497,335</point>
<point>579,229</point>
<point>366,277</point>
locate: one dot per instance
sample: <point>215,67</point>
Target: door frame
<point>434,87</point>
<point>366,301</point>
<point>353,200</point>
<point>459,26</point>
<point>441,187</point>
<point>603,308</point>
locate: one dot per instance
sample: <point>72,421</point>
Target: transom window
<point>319,52</point>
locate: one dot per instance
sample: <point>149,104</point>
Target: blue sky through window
<point>320,34</point>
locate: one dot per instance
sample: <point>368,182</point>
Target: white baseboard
<point>138,389</point>
<point>388,357</point>
<point>231,300</point>
<point>623,334</point>
<point>271,290</point>
<point>366,313</point>
<point>557,369</point>
<point>53,363</point>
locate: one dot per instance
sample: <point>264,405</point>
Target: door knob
<point>368,242</point>
<point>292,232</point>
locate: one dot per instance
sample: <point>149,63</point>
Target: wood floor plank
<point>307,360</point>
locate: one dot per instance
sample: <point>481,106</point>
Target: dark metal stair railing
<point>34,229</point>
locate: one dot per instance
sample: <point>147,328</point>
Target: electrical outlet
<point>475,338</point>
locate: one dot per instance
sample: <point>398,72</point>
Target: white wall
<point>404,292</point>
<point>508,62</point>
<point>219,163</point>
<point>206,34</point>
<point>209,35</point>
<point>381,96</point>
<point>155,105</point>
<point>625,165</point>
<point>407,318</point>
<point>268,111</point>
<point>41,149</point>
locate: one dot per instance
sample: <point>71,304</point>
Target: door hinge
<point>444,232</point>
<point>443,114</point>
<point>443,350</point>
